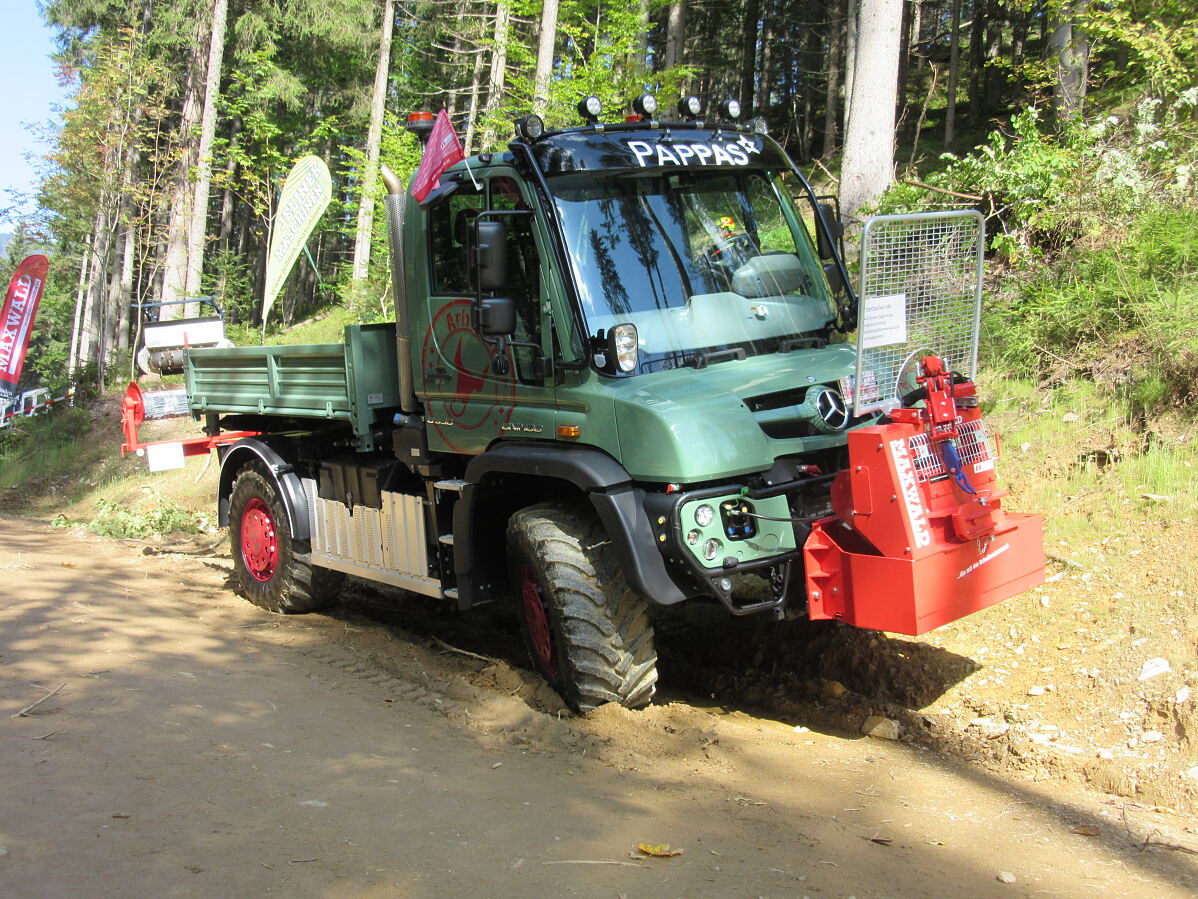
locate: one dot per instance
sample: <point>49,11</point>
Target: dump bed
<point>356,381</point>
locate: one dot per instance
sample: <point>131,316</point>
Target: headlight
<point>693,537</point>
<point>622,341</point>
<point>711,549</point>
<point>704,515</point>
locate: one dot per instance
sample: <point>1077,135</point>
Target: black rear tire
<point>273,569</point>
<point>586,631</point>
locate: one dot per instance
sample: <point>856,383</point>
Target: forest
<point>1072,125</point>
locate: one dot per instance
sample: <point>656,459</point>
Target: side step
<point>454,485</point>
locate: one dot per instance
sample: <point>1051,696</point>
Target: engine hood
<point>736,417</point>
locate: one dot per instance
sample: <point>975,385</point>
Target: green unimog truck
<point>617,378</point>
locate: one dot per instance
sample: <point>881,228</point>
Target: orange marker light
<point>569,432</point>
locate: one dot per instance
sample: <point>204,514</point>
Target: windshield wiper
<point>795,343</point>
<point>702,360</point>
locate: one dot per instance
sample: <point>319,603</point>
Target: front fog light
<point>704,515</point>
<point>711,549</point>
<point>693,537</point>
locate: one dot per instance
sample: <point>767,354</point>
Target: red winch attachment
<point>165,454</point>
<point>919,537</point>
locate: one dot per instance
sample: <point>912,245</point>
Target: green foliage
<point>1043,191</point>
<point>162,516</point>
<point>1125,316</point>
<point>39,446</point>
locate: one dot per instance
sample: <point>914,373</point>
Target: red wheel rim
<point>537,621</point>
<point>259,542</point>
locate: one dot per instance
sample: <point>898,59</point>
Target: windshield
<point>699,261</point>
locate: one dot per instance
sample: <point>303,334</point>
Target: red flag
<point>16,321</point>
<point>442,151</point>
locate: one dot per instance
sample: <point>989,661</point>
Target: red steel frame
<point>133,413</point>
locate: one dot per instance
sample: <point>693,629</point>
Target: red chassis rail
<point>919,537</point>
<point>133,413</point>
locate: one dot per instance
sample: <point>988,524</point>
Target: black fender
<point>605,482</point>
<point>250,449</point>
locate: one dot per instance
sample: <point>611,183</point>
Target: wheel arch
<point>513,476</point>
<point>249,450</point>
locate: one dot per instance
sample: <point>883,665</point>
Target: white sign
<point>164,456</point>
<point>659,153</point>
<point>883,321</point>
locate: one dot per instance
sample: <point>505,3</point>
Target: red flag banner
<point>443,150</point>
<point>16,321</point>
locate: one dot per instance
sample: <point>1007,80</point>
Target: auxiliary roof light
<point>530,128</point>
<point>690,107</point>
<point>420,124</point>
<point>590,108</point>
<point>759,125</point>
<point>645,105</point>
<point>730,109</point>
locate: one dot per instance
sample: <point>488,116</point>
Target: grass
<point>1119,496</point>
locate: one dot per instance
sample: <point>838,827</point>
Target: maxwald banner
<point>16,321</point>
<point>303,200</point>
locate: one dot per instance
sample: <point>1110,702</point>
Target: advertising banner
<point>16,320</point>
<point>306,193</point>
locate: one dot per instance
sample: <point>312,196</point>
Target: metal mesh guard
<point>973,446</point>
<point>921,294</point>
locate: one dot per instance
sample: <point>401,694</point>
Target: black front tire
<point>273,569</point>
<point>586,631</point>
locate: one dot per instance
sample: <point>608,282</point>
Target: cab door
<point>470,400</point>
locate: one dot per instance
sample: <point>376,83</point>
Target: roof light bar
<point>590,108</point>
<point>730,109</point>
<point>645,105</point>
<point>690,107</point>
<point>530,128</point>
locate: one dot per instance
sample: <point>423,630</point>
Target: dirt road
<point>201,747</point>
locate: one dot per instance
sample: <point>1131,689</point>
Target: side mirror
<point>832,273</point>
<point>497,317</point>
<point>832,226</point>
<point>491,254</point>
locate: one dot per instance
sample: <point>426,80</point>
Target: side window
<point>449,228</point>
<point>524,268</point>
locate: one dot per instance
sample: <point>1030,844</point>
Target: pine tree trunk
<point>198,225</point>
<point>1069,61</point>
<point>868,167</point>
<point>954,67</point>
<point>977,61</point>
<point>748,54</point>
<point>374,138</point>
<point>852,33</point>
<point>178,230</point>
<point>832,100</point>
<point>545,47</point>
<point>675,34</point>
<point>77,321</point>
<point>476,86</point>
<point>503,19</point>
